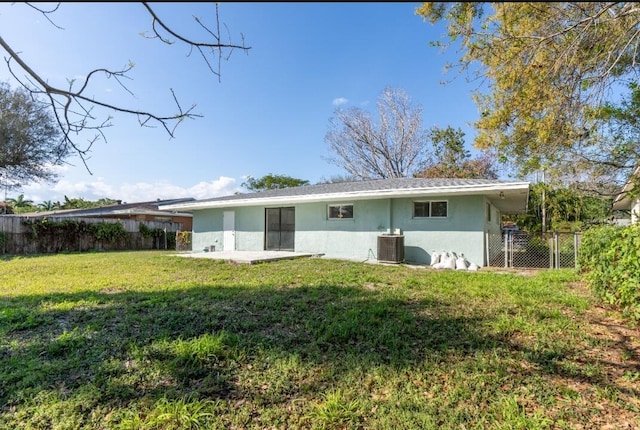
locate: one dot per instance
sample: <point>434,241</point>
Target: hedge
<point>609,260</point>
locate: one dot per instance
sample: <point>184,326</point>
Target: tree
<point>20,204</point>
<point>272,182</point>
<point>567,208</point>
<point>391,147</point>
<point>334,179</point>
<point>452,160</point>
<point>545,71</point>
<point>76,109</point>
<point>29,138</point>
<point>105,202</point>
<point>80,203</point>
<point>613,154</point>
<point>47,205</point>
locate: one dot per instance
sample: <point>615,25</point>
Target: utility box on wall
<point>390,248</point>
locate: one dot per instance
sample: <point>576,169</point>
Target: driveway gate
<point>519,249</point>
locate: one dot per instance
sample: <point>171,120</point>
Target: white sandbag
<point>451,262</point>
<point>473,266</point>
<point>442,264</point>
<point>435,258</point>
<point>461,263</point>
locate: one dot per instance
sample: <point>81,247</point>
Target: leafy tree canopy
<point>21,205</point>
<point>567,209</point>
<point>396,145</point>
<point>80,203</point>
<point>30,142</point>
<point>272,182</point>
<point>451,159</point>
<point>546,71</point>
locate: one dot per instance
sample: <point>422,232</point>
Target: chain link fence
<point>519,249</point>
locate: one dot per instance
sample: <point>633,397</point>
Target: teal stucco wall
<point>462,231</point>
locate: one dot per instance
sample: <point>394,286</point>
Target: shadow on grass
<point>197,341</point>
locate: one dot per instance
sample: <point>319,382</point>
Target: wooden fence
<point>17,235</point>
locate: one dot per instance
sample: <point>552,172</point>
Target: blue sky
<point>270,111</point>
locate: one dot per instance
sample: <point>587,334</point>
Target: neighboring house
<point>345,220</point>
<point>141,211</point>
<point>625,202</point>
<point>5,208</point>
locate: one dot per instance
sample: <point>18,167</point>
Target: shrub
<point>108,231</point>
<point>609,259</point>
<point>148,232</point>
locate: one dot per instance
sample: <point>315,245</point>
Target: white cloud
<point>340,101</point>
<point>138,192</point>
<point>223,186</point>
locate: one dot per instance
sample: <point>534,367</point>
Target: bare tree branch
<point>158,25</point>
<point>46,13</point>
<point>76,110</point>
<point>389,148</point>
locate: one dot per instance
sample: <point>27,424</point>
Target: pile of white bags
<point>450,260</point>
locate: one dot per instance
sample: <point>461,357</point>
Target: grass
<point>145,340</point>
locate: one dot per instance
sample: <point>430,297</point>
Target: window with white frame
<point>340,211</point>
<point>430,209</point>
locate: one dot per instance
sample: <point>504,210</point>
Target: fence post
<point>556,246</point>
<point>506,248</point>
<point>576,244</point>
<point>487,258</point>
<point>165,238</point>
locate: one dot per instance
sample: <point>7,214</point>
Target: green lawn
<point>146,340</point>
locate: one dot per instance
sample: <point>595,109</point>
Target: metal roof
<point>508,196</point>
<point>139,208</point>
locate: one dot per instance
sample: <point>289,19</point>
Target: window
<point>430,209</point>
<point>340,211</point>
<point>421,209</point>
<point>488,212</point>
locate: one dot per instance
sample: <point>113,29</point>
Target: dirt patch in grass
<point>513,271</point>
<point>622,337</point>
<point>612,349</point>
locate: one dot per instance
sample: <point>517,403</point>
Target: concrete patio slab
<point>248,257</point>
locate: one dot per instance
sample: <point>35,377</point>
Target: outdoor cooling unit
<point>390,248</point>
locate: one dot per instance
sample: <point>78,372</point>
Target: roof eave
<point>352,195</point>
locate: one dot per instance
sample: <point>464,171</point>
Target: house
<point>5,208</point>
<point>345,220</point>
<point>625,201</point>
<point>140,211</point>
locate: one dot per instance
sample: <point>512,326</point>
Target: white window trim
<point>337,205</point>
<point>413,209</point>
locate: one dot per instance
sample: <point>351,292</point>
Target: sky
<point>269,111</point>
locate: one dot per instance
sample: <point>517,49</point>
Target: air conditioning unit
<point>390,248</point>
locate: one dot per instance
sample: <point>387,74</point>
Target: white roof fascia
<point>622,200</point>
<point>351,195</point>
